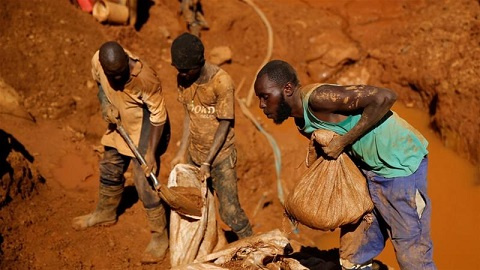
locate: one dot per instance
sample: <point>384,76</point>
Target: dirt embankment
<point>425,50</point>
<point>19,178</point>
<point>437,58</point>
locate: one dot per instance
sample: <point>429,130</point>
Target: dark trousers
<point>113,165</point>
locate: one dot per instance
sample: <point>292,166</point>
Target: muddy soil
<point>425,50</point>
<point>19,179</point>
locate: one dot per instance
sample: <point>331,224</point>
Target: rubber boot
<point>245,232</point>
<point>157,248</point>
<point>106,212</point>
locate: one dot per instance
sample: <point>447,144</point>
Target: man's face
<point>119,78</point>
<point>272,100</point>
<point>188,75</point>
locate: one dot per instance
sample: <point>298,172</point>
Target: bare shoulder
<point>330,98</point>
<point>326,96</point>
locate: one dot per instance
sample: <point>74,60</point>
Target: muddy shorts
<point>402,212</point>
<point>224,182</point>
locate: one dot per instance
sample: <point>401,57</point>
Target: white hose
<point>268,55</point>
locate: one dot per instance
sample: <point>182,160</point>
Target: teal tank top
<point>391,149</point>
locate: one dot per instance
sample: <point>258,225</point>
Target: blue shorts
<point>402,212</point>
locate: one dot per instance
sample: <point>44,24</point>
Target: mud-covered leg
<point>155,210</point>
<point>405,207</point>
<point>112,168</point>
<point>188,14</point>
<point>224,180</point>
<point>193,15</point>
<point>360,243</point>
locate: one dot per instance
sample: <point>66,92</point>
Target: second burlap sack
<point>190,236</point>
<point>330,193</point>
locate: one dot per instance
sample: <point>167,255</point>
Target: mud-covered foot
<point>93,219</point>
<point>156,249</point>
<point>245,232</point>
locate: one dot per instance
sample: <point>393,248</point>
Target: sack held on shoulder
<point>330,193</point>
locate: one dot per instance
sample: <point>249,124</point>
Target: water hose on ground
<point>276,150</point>
<point>245,104</point>
<point>268,55</point>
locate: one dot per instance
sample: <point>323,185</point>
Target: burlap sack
<point>254,252</point>
<point>331,193</point>
<point>190,236</point>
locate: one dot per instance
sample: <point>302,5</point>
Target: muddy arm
<point>218,140</point>
<point>180,156</point>
<point>154,139</point>
<point>373,102</point>
<point>185,134</point>
<point>104,103</point>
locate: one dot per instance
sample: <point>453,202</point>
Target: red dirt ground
<point>425,50</point>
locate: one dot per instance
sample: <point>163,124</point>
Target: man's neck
<point>131,63</point>
<point>131,66</point>
<point>204,75</point>
<point>297,103</point>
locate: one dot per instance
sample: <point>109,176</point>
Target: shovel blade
<point>186,201</point>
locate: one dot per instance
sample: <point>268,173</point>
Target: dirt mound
<point>19,178</point>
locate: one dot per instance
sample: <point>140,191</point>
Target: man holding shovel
<point>391,153</point>
<point>130,92</point>
<point>207,93</point>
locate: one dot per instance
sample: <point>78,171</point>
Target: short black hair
<point>113,57</point>
<point>279,72</point>
<point>187,52</point>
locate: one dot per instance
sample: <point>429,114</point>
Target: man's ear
<point>288,89</point>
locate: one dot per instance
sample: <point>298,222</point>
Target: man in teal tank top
<point>390,152</point>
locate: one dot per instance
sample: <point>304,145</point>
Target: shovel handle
<point>137,154</point>
<point>174,199</point>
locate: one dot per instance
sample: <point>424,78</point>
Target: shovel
<point>175,200</point>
